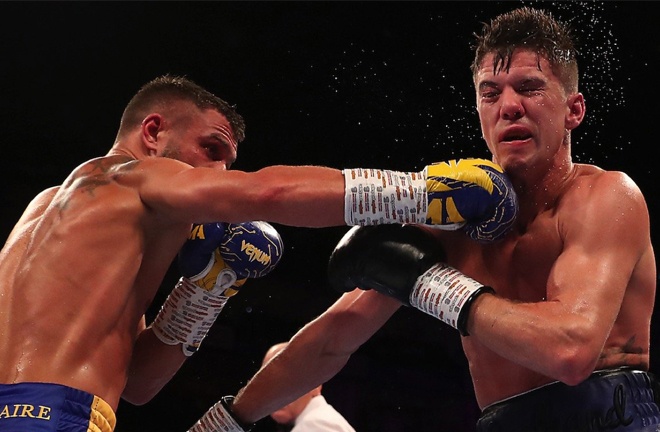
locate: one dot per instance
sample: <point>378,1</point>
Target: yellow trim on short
<point>102,418</point>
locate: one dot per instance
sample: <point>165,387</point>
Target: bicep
<point>203,194</point>
<point>181,192</point>
<point>604,237</point>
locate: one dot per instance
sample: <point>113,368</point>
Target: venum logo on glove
<point>251,249</point>
<point>215,261</point>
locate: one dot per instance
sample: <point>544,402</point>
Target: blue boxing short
<point>43,407</point>
<point>617,400</point>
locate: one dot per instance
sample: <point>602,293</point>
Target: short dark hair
<point>168,88</point>
<point>532,29</point>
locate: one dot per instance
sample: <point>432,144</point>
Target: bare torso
<point>520,267</point>
<point>76,277</point>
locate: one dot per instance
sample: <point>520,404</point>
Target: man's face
<point>200,138</point>
<point>523,111</point>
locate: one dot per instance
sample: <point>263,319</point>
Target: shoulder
<point>132,172</point>
<point>597,196</point>
<point>44,197</point>
<point>594,184</point>
<point>39,203</point>
<point>35,209</point>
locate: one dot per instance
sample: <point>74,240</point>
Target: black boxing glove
<point>385,258</point>
<point>406,263</point>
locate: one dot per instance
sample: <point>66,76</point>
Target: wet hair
<point>530,29</point>
<point>164,90</point>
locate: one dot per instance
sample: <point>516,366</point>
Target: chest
<point>517,267</point>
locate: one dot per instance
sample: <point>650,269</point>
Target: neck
<point>118,149</point>
<point>539,187</point>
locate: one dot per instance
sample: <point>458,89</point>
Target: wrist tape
<point>446,293</point>
<point>187,315</point>
<point>219,418</point>
<point>375,197</point>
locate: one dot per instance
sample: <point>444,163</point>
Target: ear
<point>576,111</point>
<point>151,125</point>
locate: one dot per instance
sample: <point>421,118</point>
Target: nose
<point>219,165</point>
<point>511,108</point>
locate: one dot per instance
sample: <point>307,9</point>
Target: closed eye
<point>219,151</point>
<point>531,86</point>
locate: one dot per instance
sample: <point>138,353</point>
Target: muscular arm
<point>315,354</point>
<point>308,196</point>
<point>153,365</point>
<point>563,337</point>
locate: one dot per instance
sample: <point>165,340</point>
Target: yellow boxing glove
<point>473,194</point>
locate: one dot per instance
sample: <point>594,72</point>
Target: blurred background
<point>341,84</point>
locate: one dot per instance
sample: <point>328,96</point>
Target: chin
<point>513,161</point>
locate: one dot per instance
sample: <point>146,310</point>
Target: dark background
<point>342,84</point>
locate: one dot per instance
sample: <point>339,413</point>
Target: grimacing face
<point>525,113</point>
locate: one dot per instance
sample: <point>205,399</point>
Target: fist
<point>220,257</point>
<point>251,249</point>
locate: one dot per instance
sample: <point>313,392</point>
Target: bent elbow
<point>137,398</point>
<point>576,365</point>
<point>136,401</point>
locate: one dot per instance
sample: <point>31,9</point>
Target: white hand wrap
<point>218,419</point>
<point>446,293</point>
<point>187,315</point>
<point>375,197</point>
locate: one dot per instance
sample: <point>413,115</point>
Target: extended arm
<point>314,355</point>
<point>469,194</point>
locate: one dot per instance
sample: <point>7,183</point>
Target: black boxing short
<point>614,400</point>
<point>43,407</point>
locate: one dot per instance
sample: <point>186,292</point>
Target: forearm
<point>315,354</point>
<point>301,367</point>
<point>570,348</point>
<point>152,366</point>
<point>306,196</point>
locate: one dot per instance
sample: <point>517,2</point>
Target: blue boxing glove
<point>471,194</point>
<point>201,263</point>
<point>251,249</point>
<point>215,262</point>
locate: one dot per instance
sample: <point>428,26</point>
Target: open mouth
<point>516,136</point>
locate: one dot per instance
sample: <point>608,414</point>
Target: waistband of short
<point>583,386</point>
<point>68,401</point>
<point>623,398</point>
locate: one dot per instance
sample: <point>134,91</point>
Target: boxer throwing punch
<point>470,195</point>
<point>555,317</point>
<point>86,258</point>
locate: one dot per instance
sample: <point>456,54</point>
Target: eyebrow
<point>517,83</point>
<point>487,84</point>
<point>225,137</point>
